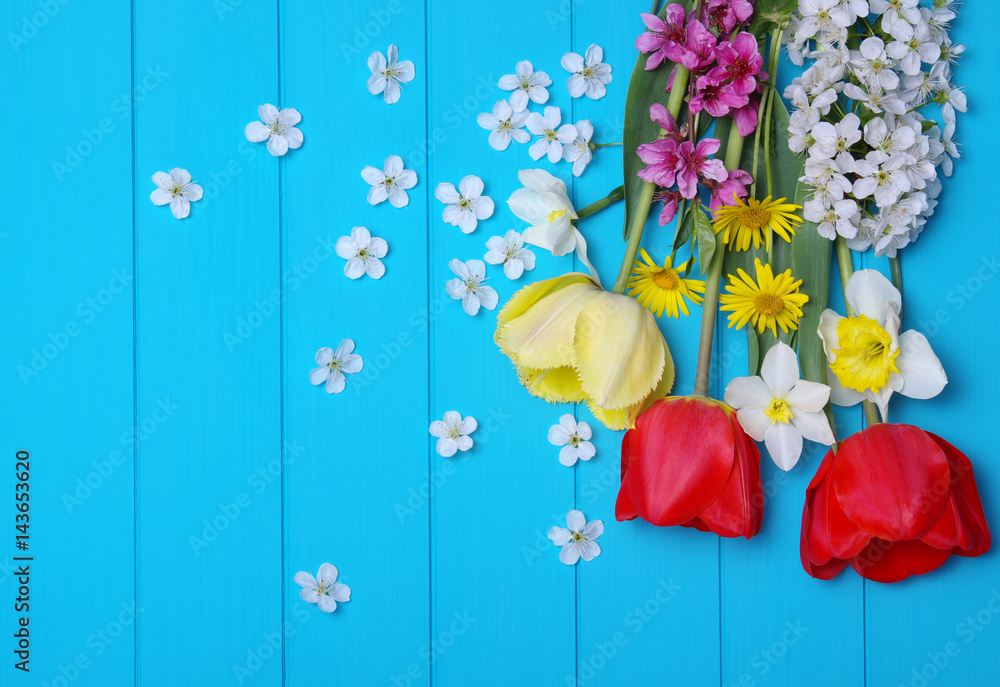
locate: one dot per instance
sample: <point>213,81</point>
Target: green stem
<point>846,270</point>
<point>772,76</point>
<point>613,197</point>
<point>710,305</point>
<point>595,146</point>
<point>897,273</point>
<point>649,188</point>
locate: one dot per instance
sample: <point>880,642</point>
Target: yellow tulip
<point>572,342</point>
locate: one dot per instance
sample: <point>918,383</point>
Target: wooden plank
<point>209,556</point>
<point>67,342</point>
<point>354,497</point>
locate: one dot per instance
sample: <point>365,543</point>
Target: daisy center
<point>667,280</point>
<point>866,358</point>
<point>768,303</point>
<point>554,215</point>
<point>755,218</point>
<point>778,411</point>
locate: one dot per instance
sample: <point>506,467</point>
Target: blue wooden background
<point>183,468</point>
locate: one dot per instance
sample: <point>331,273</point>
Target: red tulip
<point>894,501</point>
<point>688,462</point>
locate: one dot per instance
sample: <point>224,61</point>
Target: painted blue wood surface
<point>182,462</point>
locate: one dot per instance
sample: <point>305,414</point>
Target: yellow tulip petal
<point>542,336</point>
<point>532,293</point>
<point>620,354</point>
<point>624,418</point>
<point>558,385</point>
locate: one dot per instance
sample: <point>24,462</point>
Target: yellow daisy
<point>663,288</point>
<point>755,221</point>
<point>767,303</point>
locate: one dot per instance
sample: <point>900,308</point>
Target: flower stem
<point>649,188</point>
<point>613,197</point>
<point>897,273</point>
<point>595,146</point>
<point>772,76</point>
<point>710,305</point>
<point>846,270</point>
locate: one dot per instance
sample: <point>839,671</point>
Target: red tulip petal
<point>889,480</point>
<point>697,524</point>
<point>949,532</point>
<point>884,561</point>
<point>966,501</point>
<point>680,459</point>
<point>625,451</point>
<point>737,512</point>
<point>624,509</point>
<point>828,571</point>
<point>828,532</point>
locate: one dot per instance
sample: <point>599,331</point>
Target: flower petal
<point>784,444</point>
<point>256,132</point>
<point>871,294</point>
<point>923,376</point>
<point>780,369</point>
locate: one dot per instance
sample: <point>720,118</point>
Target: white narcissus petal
<point>559,535</point>
<point>748,392</point>
<point>827,331</point>
<point>814,427</point>
<point>810,397</point>
<point>575,520</point>
<point>568,456</point>
<point>256,132</point>
<point>922,373</point>
<point>570,553</point>
<point>839,394</point>
<point>784,444</point>
<point>780,369</point>
<point>872,295</point>
<point>754,422</point>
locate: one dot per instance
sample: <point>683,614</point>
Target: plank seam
<point>281,358</point>
<point>135,360</point>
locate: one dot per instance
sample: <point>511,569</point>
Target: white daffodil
<point>323,590</point>
<point>453,433</point>
<point>387,74</point>
<point>579,151</point>
<point>362,252</point>
<point>588,74</point>
<point>504,124</point>
<point>527,84</point>
<point>277,127</point>
<point>544,204</point>
<point>390,182</point>
<point>469,287</point>
<point>334,365</point>
<point>177,189</point>
<point>467,205</point>
<point>508,250</point>
<point>780,409</point>
<point>551,136</point>
<point>869,359</point>
<point>579,540</point>
<point>574,437</point>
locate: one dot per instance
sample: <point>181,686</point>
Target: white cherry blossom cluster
<point>511,119</point>
<point>858,113</point>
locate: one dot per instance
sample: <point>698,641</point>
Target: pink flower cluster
<point>726,77</point>
<point>672,160</point>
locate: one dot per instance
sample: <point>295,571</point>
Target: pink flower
<point>659,114</point>
<point>714,98</point>
<point>670,200</point>
<point>741,61</point>
<point>662,161</point>
<point>746,117</point>
<point>695,162</point>
<point>698,49</point>
<point>726,14</point>
<point>723,192</point>
<point>664,36</point>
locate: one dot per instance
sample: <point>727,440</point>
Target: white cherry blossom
<point>390,182</point>
<point>527,84</point>
<point>467,205</point>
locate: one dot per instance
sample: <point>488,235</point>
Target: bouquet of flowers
<point>761,199</point>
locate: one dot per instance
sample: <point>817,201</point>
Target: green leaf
<point>811,256</point>
<point>770,14</point>
<point>705,237</point>
<point>644,89</point>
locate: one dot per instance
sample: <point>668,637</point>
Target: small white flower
<point>912,46</point>
<point>469,287</point>
<point>453,433</point>
<point>874,67</point>
<point>838,217</point>
<point>177,189</point>
<point>579,540</point>
<point>333,365</point>
<point>526,84</point>
<point>880,176</point>
<point>388,74</point>
<point>323,589</point>
<point>509,251</point>
<point>551,136</point>
<point>579,151</point>
<point>362,252</point>
<point>467,205</point>
<point>574,439</point>
<point>895,11</point>
<point>504,124</point>
<point>277,127</point>
<point>391,182</point>
<point>833,139</point>
<point>780,409</point>
<point>588,74</point>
